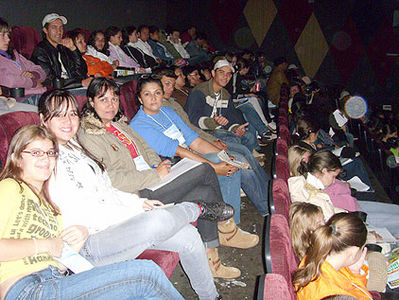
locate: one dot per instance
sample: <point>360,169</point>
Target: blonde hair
<point>341,231</point>
<point>21,139</point>
<point>304,219</point>
<point>295,156</point>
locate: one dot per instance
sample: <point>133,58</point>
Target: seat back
<point>9,124</point>
<point>128,100</point>
<point>279,255</point>
<point>281,198</point>
<point>284,132</point>
<point>25,39</point>
<point>282,168</point>
<point>273,286</point>
<point>282,147</point>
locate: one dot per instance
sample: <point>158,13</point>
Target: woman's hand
<point>163,168</point>
<point>75,236</point>
<point>115,64</point>
<point>224,169</point>
<point>27,74</point>
<point>51,246</point>
<point>220,144</point>
<point>355,268</point>
<point>150,204</point>
<point>67,42</point>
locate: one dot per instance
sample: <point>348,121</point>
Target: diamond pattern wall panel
<point>295,15</point>
<point>260,16</point>
<point>311,47</point>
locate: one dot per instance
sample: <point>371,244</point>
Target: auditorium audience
<point>114,37</point>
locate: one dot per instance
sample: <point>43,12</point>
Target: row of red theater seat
<point>279,256</point>
<point>11,122</point>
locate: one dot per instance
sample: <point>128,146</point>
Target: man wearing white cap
<point>209,105</point>
<point>59,57</point>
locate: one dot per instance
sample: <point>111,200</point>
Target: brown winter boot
<point>232,236</point>
<point>218,269</point>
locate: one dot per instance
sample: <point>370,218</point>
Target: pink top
<point>10,74</point>
<point>340,195</point>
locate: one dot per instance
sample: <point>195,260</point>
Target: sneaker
<point>216,211</point>
<point>267,138</point>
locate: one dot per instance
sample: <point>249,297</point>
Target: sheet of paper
<point>345,161</point>
<point>337,152</point>
<point>178,169</point>
<point>226,158</point>
<point>73,260</point>
<point>357,184</point>
<point>340,118</point>
<point>383,232</point>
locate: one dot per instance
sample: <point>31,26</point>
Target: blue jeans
<point>230,187</point>
<point>253,118</point>
<point>249,139</point>
<point>254,181</point>
<point>139,279</point>
<point>162,229</point>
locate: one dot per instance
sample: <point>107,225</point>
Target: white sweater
<point>85,194</point>
<point>93,52</point>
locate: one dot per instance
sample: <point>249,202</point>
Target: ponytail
<point>342,231</point>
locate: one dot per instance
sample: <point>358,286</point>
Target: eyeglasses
<point>40,153</point>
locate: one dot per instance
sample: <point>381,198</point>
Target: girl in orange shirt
<point>334,262</point>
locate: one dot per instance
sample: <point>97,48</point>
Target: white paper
<point>331,132</point>
<point>345,161</point>
<point>178,169</point>
<point>386,236</point>
<point>73,260</point>
<point>357,184</point>
<point>338,151</point>
<point>340,118</point>
<point>226,158</point>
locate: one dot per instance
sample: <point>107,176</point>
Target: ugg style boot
<point>218,269</point>
<point>232,236</point>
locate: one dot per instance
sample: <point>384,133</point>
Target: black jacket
<point>46,55</point>
<point>142,59</point>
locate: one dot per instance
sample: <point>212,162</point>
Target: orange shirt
<point>331,282</point>
<point>96,65</point>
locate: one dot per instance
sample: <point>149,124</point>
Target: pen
<point>155,166</point>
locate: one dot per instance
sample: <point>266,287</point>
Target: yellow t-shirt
<point>21,217</point>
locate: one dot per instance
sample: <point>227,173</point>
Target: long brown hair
<point>341,231</point>
<point>303,221</point>
<point>21,139</point>
<point>55,102</point>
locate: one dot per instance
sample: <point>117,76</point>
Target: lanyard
<point>160,123</point>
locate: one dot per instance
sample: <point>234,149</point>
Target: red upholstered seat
<point>272,287</point>
<point>167,260</point>
<point>281,198</point>
<point>11,122</point>
<point>282,147</point>
<point>282,168</point>
<point>281,256</point>
<point>25,39</point>
<point>128,99</point>
<point>284,132</point>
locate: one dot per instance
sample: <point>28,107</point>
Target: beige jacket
<point>116,157</point>
<point>302,191</point>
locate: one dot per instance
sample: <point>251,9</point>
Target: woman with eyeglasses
<point>32,236</point>
<point>121,225</point>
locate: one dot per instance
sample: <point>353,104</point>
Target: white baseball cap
<point>223,63</point>
<point>53,16</point>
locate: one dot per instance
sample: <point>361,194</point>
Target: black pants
<point>198,184</point>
